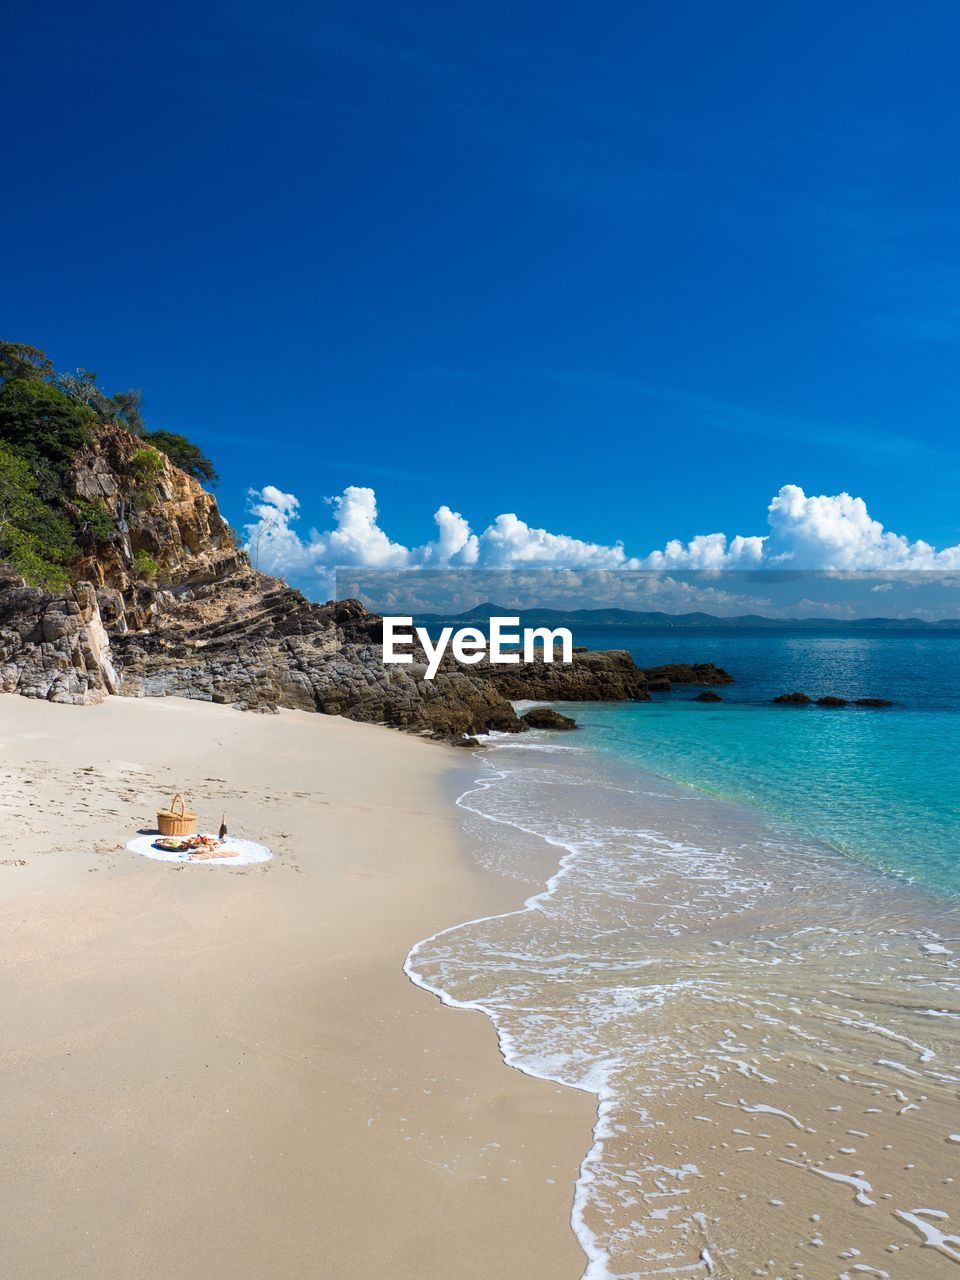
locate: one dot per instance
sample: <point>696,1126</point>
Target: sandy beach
<point>224,1072</point>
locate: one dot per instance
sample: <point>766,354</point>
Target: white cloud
<point>708,551</point>
<point>455,544</point>
<point>356,539</point>
<point>827,532</point>
<point>272,544</point>
<point>511,543</point>
<point>835,533</point>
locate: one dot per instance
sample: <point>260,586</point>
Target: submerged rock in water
<point>831,701</point>
<point>708,695</point>
<point>689,673</point>
<point>872,702</point>
<point>795,699</point>
<point>547,718</point>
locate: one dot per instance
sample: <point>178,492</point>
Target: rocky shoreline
<point>210,627</point>
<point>259,645</point>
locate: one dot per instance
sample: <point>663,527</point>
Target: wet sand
<point>772,1026</point>
<point>214,1072</point>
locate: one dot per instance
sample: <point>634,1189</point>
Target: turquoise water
<point>749,1001</point>
<point>880,785</point>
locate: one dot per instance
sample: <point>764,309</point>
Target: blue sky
<point>624,269</point>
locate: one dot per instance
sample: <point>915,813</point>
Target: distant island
<point>636,619</point>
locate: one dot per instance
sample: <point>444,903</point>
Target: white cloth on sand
<point>246,852</point>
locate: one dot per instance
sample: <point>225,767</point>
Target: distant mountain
<point>634,619</point>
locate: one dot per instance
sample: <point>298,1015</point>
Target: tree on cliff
<point>184,454</point>
<point>18,360</point>
<point>47,415</point>
<point>46,419</point>
<point>34,537</point>
<point>44,425</point>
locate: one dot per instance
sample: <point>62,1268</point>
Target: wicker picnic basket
<point>176,822</point>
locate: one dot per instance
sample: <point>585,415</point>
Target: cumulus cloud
<point>357,537</point>
<point>826,532</point>
<point>837,533</point>
<point>708,551</point>
<point>510,542</point>
<point>455,544</point>
<point>275,546</point>
<point>357,541</point>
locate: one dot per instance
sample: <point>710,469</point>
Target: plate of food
<point>186,844</point>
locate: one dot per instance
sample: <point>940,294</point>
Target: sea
<point>743,937</point>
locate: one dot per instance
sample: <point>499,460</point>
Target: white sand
<point>210,1076</point>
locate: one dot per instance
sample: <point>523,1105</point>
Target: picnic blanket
<point>241,853</point>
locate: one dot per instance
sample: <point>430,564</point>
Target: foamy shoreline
<point>594,1085</point>
<point>225,1072</point>
<point>795,1035</point>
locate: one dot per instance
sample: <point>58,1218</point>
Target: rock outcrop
<point>258,644</point>
<point>547,718</point>
<point>707,673</point>
<point>253,642</point>
<point>165,596</point>
<point>830,700</point>
<point>708,695</point>
<point>53,646</point>
<point>160,513</point>
<point>608,675</point>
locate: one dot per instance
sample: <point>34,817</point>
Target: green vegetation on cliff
<point>184,454</point>
<point>46,419</point>
<point>35,537</point>
<point>144,566</point>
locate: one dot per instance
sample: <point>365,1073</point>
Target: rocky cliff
<point>53,646</point>
<point>158,511</point>
<point>166,603</point>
